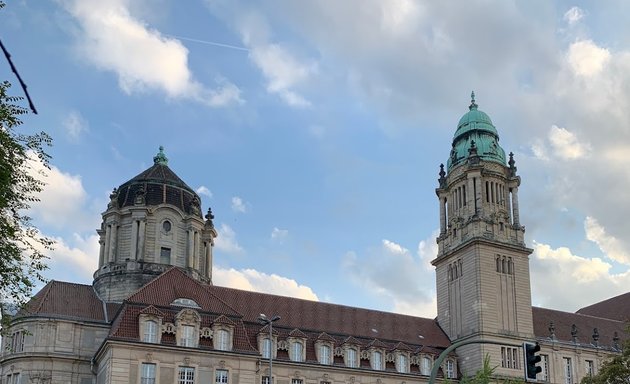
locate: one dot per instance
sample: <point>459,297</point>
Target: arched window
<point>351,358</point>
<point>324,354</point>
<point>377,360</point>
<point>222,340</point>
<point>150,332</point>
<point>403,363</point>
<point>296,348</point>
<point>498,264</point>
<point>425,368</point>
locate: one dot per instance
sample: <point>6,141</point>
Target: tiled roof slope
<point>332,318</point>
<point>563,322</point>
<point>68,300</point>
<point>174,284</point>
<point>617,308</point>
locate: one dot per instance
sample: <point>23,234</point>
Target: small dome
<point>475,126</point>
<point>159,185</point>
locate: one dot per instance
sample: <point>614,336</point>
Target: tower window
<point>166,226</point>
<point>165,255</point>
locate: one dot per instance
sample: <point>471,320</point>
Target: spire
<point>473,105</point>
<point>160,158</point>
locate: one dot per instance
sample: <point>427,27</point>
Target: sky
<point>315,130</point>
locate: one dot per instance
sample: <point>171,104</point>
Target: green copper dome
<point>475,130</point>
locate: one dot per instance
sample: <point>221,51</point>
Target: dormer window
<point>266,348</point>
<point>325,354</point>
<point>184,302</point>
<point>150,331</point>
<point>222,340</point>
<point>223,333</point>
<point>351,357</point>
<point>402,363</point>
<point>377,360</point>
<point>450,369</point>
<point>297,351</point>
<point>187,323</point>
<point>188,336</point>
<point>425,367</point>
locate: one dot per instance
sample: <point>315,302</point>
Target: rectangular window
<point>221,376</point>
<point>450,369</point>
<point>426,366</point>
<point>296,381</point>
<point>544,364</point>
<point>510,358</point>
<point>17,342</point>
<point>186,375</point>
<point>266,348</point>
<point>402,363</point>
<point>324,354</point>
<point>568,370</point>
<point>265,380</point>
<point>297,351</point>
<point>165,255</point>
<point>223,340</point>
<point>13,379</point>
<point>590,368</point>
<point>188,332</point>
<point>148,373</point>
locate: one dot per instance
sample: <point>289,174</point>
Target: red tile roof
<point>71,301</point>
<point>617,308</point>
<point>563,322</point>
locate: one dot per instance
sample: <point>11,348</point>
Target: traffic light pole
<point>440,359</point>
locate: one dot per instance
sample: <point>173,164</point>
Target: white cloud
<point>144,59</point>
<point>412,291</point>
<point>75,125</point>
<point>63,200</point>
<point>203,190</point>
<point>399,16</point>
<point>238,205</point>
<point>609,245</point>
<point>75,260</point>
<point>226,240</point>
<point>574,15</point>
<point>587,59</point>
<point>279,234</point>
<point>566,145</point>
<point>252,280</point>
<point>587,280</point>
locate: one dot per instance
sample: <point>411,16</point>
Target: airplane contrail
<point>209,42</point>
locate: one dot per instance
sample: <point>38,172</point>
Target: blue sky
<point>315,131</point>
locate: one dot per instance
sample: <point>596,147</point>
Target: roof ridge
<point>580,314</point>
<point>48,288</point>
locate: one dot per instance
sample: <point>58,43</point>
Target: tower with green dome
<point>482,266</point>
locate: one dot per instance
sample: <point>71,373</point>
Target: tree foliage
<point>615,370</point>
<point>22,247</point>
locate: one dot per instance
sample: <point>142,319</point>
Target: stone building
<point>152,314</point>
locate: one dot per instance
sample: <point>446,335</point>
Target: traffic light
<point>531,360</point>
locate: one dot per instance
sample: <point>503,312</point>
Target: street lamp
<point>263,319</point>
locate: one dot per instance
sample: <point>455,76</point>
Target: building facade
<point>152,314</point>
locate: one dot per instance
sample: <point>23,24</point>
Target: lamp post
<point>263,319</point>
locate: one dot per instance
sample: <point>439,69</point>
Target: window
<point>166,226</point>
<point>186,375</point>
<point>544,364</point>
<point>296,381</point>
<point>403,365</point>
<point>568,370</point>
<point>450,369</point>
<point>221,376</point>
<point>296,348</point>
<point>13,379</point>
<point>590,368</point>
<point>148,373</point>
<point>266,348</point>
<point>351,358</point>
<point>188,336</point>
<point>265,380</point>
<point>377,360</point>
<point>222,340</point>
<point>324,354</point>
<point>165,255</point>
<point>150,332</point>
<point>17,342</point>
<point>425,368</point>
<point>510,358</point>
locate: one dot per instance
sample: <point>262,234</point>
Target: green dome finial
<point>160,158</point>
<point>473,105</point>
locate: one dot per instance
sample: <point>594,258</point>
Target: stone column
<point>108,234</point>
<point>208,259</point>
<point>101,253</point>
<point>191,244</point>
